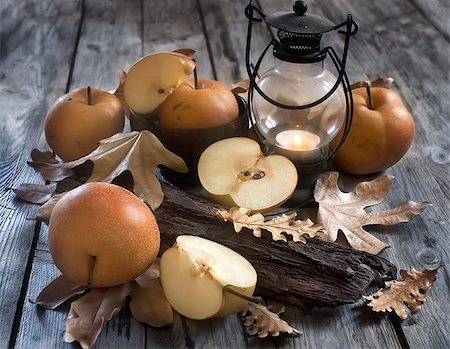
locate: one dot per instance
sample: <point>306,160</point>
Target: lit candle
<point>298,140</point>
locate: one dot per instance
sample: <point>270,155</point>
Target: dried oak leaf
<point>284,223</point>
<point>262,321</point>
<point>57,292</point>
<point>88,314</point>
<point>41,161</point>
<point>43,213</point>
<point>408,292</point>
<point>138,152</point>
<point>345,211</point>
<point>148,302</point>
<point>34,193</point>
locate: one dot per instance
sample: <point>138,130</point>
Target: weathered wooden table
<point>50,47</point>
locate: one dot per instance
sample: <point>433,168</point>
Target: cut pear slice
<point>151,79</point>
<point>235,173</point>
<point>194,272</point>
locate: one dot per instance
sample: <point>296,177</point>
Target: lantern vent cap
<point>299,22</point>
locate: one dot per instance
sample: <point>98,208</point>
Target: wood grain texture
<point>226,27</point>
<point>36,40</point>
<point>175,24</point>
<point>110,41</point>
<point>437,12</point>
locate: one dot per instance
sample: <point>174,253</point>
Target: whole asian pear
<point>381,132</point>
<point>79,120</point>
<point>102,235</point>
<point>209,104</point>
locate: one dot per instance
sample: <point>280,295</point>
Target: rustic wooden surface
<point>50,47</point>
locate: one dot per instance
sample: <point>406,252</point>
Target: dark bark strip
<point>314,274</point>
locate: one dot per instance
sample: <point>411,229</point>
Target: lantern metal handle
<point>351,29</point>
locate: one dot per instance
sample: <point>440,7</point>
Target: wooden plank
<point>226,27</point>
<point>36,39</point>
<point>171,25</point>
<point>110,40</point>
<point>437,12</point>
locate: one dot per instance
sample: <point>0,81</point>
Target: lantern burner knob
<point>300,8</point>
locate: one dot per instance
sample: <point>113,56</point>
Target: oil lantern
<point>299,105</point>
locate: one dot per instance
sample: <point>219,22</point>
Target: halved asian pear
<point>195,276</point>
<point>153,78</point>
<point>235,172</point>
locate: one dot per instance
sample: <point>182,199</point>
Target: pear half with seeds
<point>235,172</point>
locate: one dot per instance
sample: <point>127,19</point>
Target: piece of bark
<point>317,273</point>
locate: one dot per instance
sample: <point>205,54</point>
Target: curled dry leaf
<point>284,223</point>
<point>57,292</point>
<point>34,193</point>
<point>262,321</point>
<point>148,302</point>
<point>240,87</point>
<point>88,314</point>
<point>345,211</point>
<point>186,51</point>
<point>408,292</point>
<point>41,161</point>
<point>138,152</point>
<point>43,213</point>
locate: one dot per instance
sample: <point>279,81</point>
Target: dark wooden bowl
<point>190,143</point>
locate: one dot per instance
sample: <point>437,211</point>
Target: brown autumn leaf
<point>34,193</point>
<point>88,314</point>
<point>43,213</point>
<point>57,292</point>
<point>284,223</point>
<point>240,87</point>
<point>407,292</point>
<point>262,321</point>
<point>345,211</point>
<point>66,184</point>
<point>40,162</point>
<point>138,152</point>
<point>148,302</point>
<point>186,51</point>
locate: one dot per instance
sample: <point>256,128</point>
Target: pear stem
<point>92,260</point>
<point>195,78</point>
<point>89,96</point>
<point>232,290</point>
<point>369,94</point>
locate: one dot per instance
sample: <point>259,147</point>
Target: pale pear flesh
<point>151,79</point>
<point>236,173</point>
<point>192,293</point>
<point>194,272</point>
